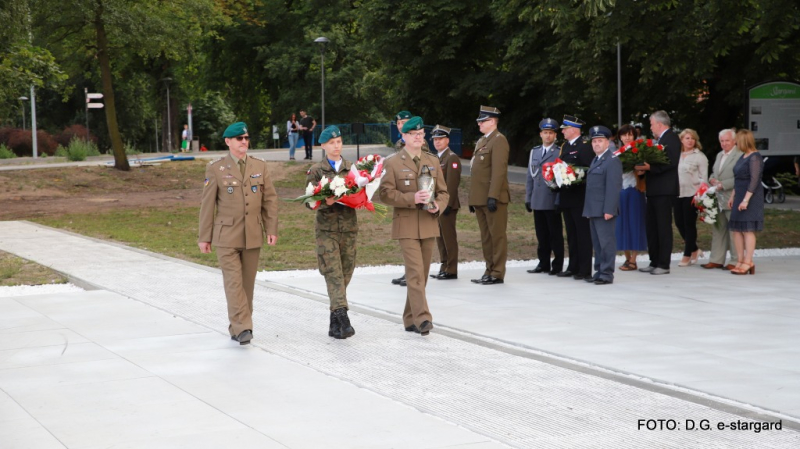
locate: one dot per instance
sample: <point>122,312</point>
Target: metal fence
<point>380,134</point>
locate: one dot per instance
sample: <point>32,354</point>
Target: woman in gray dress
<point>746,202</point>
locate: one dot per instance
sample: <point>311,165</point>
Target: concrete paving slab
<point>161,381</point>
<point>464,375</point>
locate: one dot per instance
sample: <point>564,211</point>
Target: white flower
<point>711,212</point>
<point>339,191</point>
<point>370,158</point>
<point>710,220</point>
<point>337,182</point>
<point>310,189</point>
<point>324,181</point>
<point>571,177</point>
<point>708,202</point>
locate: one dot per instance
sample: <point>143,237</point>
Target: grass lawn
<point>169,226</point>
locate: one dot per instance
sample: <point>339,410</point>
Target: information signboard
<point>773,114</point>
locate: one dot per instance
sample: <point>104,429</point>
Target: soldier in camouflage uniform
<point>400,119</point>
<point>336,231</point>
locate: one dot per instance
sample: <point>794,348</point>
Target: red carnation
<point>660,147</point>
<point>639,140</point>
<point>649,142</point>
<point>635,150</point>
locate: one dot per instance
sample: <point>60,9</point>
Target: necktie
<point>241,166</point>
<point>416,161</point>
<point>544,151</point>
<point>596,160</point>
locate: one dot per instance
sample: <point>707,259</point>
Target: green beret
<point>402,115</point>
<point>237,129</point>
<point>412,124</point>
<point>329,133</point>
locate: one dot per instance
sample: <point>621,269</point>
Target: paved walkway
<point>140,356</point>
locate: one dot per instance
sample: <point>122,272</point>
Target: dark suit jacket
<point>579,153</point>
<point>662,179</point>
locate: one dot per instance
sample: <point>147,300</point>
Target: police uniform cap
<point>329,133</point>
<point>412,124</point>
<point>402,115</point>
<point>487,112</point>
<point>440,131</point>
<point>599,131</point>
<point>236,129</point>
<point>548,123</point>
<point>572,121</point>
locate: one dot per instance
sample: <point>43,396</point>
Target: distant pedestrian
<point>336,232</point>
<point>541,200</point>
<point>631,231</point>
<point>307,125</point>
<point>746,202</point>
<point>293,133</point>
<point>185,139</point>
<point>601,207</point>
<point>662,189</point>
<point>239,207</point>
<point>450,165</point>
<point>413,227</point>
<point>489,195</point>
<point>692,172</point>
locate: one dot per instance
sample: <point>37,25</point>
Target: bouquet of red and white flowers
<point>707,204</point>
<point>355,189</point>
<point>559,174</point>
<point>640,151</point>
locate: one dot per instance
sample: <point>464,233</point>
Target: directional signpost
<point>90,105</point>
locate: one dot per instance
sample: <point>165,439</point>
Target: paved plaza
<point>143,359</point>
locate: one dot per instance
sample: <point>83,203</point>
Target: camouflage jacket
<point>336,217</point>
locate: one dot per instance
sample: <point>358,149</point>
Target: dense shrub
<point>73,132</point>
<point>79,150</point>
<point>6,153</point>
<point>19,141</point>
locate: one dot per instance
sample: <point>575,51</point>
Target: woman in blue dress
<point>631,234</point>
<point>746,202</point>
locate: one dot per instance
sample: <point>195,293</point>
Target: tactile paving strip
<point>515,400</point>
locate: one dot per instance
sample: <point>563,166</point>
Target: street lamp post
<point>322,41</point>
<point>22,101</point>
<point>169,118</point>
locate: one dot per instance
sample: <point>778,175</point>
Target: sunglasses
<point>241,138</point>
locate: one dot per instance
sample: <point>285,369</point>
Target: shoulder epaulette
<point>585,139</point>
<point>216,160</point>
<point>390,156</point>
<point>258,158</point>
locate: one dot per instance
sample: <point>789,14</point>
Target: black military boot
<point>345,329</point>
<point>333,329</point>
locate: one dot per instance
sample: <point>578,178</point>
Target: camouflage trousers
<point>336,256</point>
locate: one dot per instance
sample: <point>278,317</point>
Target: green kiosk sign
<point>773,114</point>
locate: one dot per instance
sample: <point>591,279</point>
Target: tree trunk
<point>120,159</point>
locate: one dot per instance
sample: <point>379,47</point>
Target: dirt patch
<point>28,194</point>
<point>18,271</point>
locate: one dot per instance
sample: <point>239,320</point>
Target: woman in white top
<point>692,171</point>
<point>293,132</point>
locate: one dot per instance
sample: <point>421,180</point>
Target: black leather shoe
<point>244,337</point>
<point>437,274</point>
<point>412,328</point>
<point>492,280</point>
<point>565,274</point>
<point>554,272</point>
<point>480,281</point>
<point>602,282</point>
<point>538,269</point>
<point>399,280</point>
<point>425,327</point>
<point>590,279</point>
<point>446,276</point>
<point>579,277</point>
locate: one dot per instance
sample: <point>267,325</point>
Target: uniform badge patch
<point>205,183</point>
<point>254,189</point>
<point>230,189</point>
<point>221,168</point>
<point>258,175</point>
<point>455,165</point>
